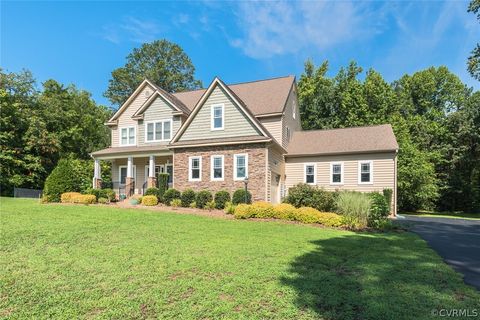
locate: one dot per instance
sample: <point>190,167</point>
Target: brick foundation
<point>256,169</point>
<point>151,182</point>
<point>129,186</point>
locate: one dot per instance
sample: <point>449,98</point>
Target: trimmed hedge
<point>202,198</point>
<point>221,198</point>
<point>239,196</point>
<point>169,195</point>
<point>102,193</point>
<point>287,212</point>
<point>188,196</point>
<point>62,179</point>
<point>76,197</point>
<point>150,200</point>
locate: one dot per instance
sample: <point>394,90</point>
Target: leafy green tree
<point>163,62</point>
<point>473,64</point>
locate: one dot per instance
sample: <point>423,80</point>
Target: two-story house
<point>216,137</point>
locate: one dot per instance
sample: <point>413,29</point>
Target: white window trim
<point>190,168</point>
<point>212,122</point>
<point>342,173</point>
<point>154,124</point>
<point>125,166</point>
<point>235,166</point>
<point>314,173</point>
<point>360,171</point>
<point>134,136</point>
<point>211,167</point>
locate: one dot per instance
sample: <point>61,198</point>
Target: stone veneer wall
<point>257,154</point>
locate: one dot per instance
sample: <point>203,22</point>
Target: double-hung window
<point>127,136</point>
<point>195,169</point>
<point>158,130</point>
<point>217,169</point>
<point>240,166</point>
<point>365,172</point>
<point>310,169</point>
<point>336,173</point>
<point>217,117</point>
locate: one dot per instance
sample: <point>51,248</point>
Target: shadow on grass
<point>362,276</point>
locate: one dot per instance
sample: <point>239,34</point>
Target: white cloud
<point>132,29</point>
<point>277,28</point>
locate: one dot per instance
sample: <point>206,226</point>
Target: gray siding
<point>288,120</point>
<point>158,110</point>
<point>125,119</point>
<point>236,122</point>
<point>274,127</point>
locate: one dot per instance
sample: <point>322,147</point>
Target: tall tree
<point>38,127</point>
<point>474,59</point>
<point>163,62</point>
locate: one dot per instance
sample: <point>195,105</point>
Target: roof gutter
<point>173,146</point>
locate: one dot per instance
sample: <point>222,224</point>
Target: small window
<point>159,131</point>
<point>365,169</point>
<point>294,109</point>
<point>240,166</point>
<point>195,169</point>
<point>217,168</point>
<point>310,173</point>
<point>336,173</point>
<point>127,136</point>
<point>217,117</point>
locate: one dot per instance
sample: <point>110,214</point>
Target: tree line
<point>435,117</point>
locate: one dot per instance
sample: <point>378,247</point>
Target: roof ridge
<point>239,83</point>
<point>354,127</point>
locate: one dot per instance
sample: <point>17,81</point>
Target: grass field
<point>101,262</point>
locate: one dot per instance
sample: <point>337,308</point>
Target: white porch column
<point>130,167</point>
<point>97,169</point>
<point>151,167</point>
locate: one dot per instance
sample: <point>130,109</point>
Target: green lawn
<point>101,262</point>
<point>455,215</point>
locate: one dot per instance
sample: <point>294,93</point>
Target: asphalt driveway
<point>457,241</point>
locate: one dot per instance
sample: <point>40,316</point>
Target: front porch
<point>134,173</point>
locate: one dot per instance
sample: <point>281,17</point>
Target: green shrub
<point>188,196</point>
<point>262,209</point>
<point>62,179</point>
<point>242,211</point>
<point>388,194</point>
<point>193,205</point>
<point>221,198</point>
<point>162,182</point>
<point>68,197</point>
<point>210,205</point>
<point>110,194</point>
<point>239,196</point>
<point>202,198</point>
<point>152,191</point>
<point>171,194</point>
<point>150,200</point>
<point>284,211</point>
<point>229,208</point>
<point>305,195</point>
<point>103,200</point>
<point>175,203</point>
<point>379,209</point>
<point>354,208</point>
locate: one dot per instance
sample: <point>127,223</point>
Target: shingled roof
<point>261,97</point>
<point>342,141</point>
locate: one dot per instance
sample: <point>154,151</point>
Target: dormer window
<point>158,130</point>
<point>217,117</point>
<point>127,136</point>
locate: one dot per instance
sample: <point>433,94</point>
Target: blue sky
<point>82,42</point>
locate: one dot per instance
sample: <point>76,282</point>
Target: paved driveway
<point>457,241</point>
